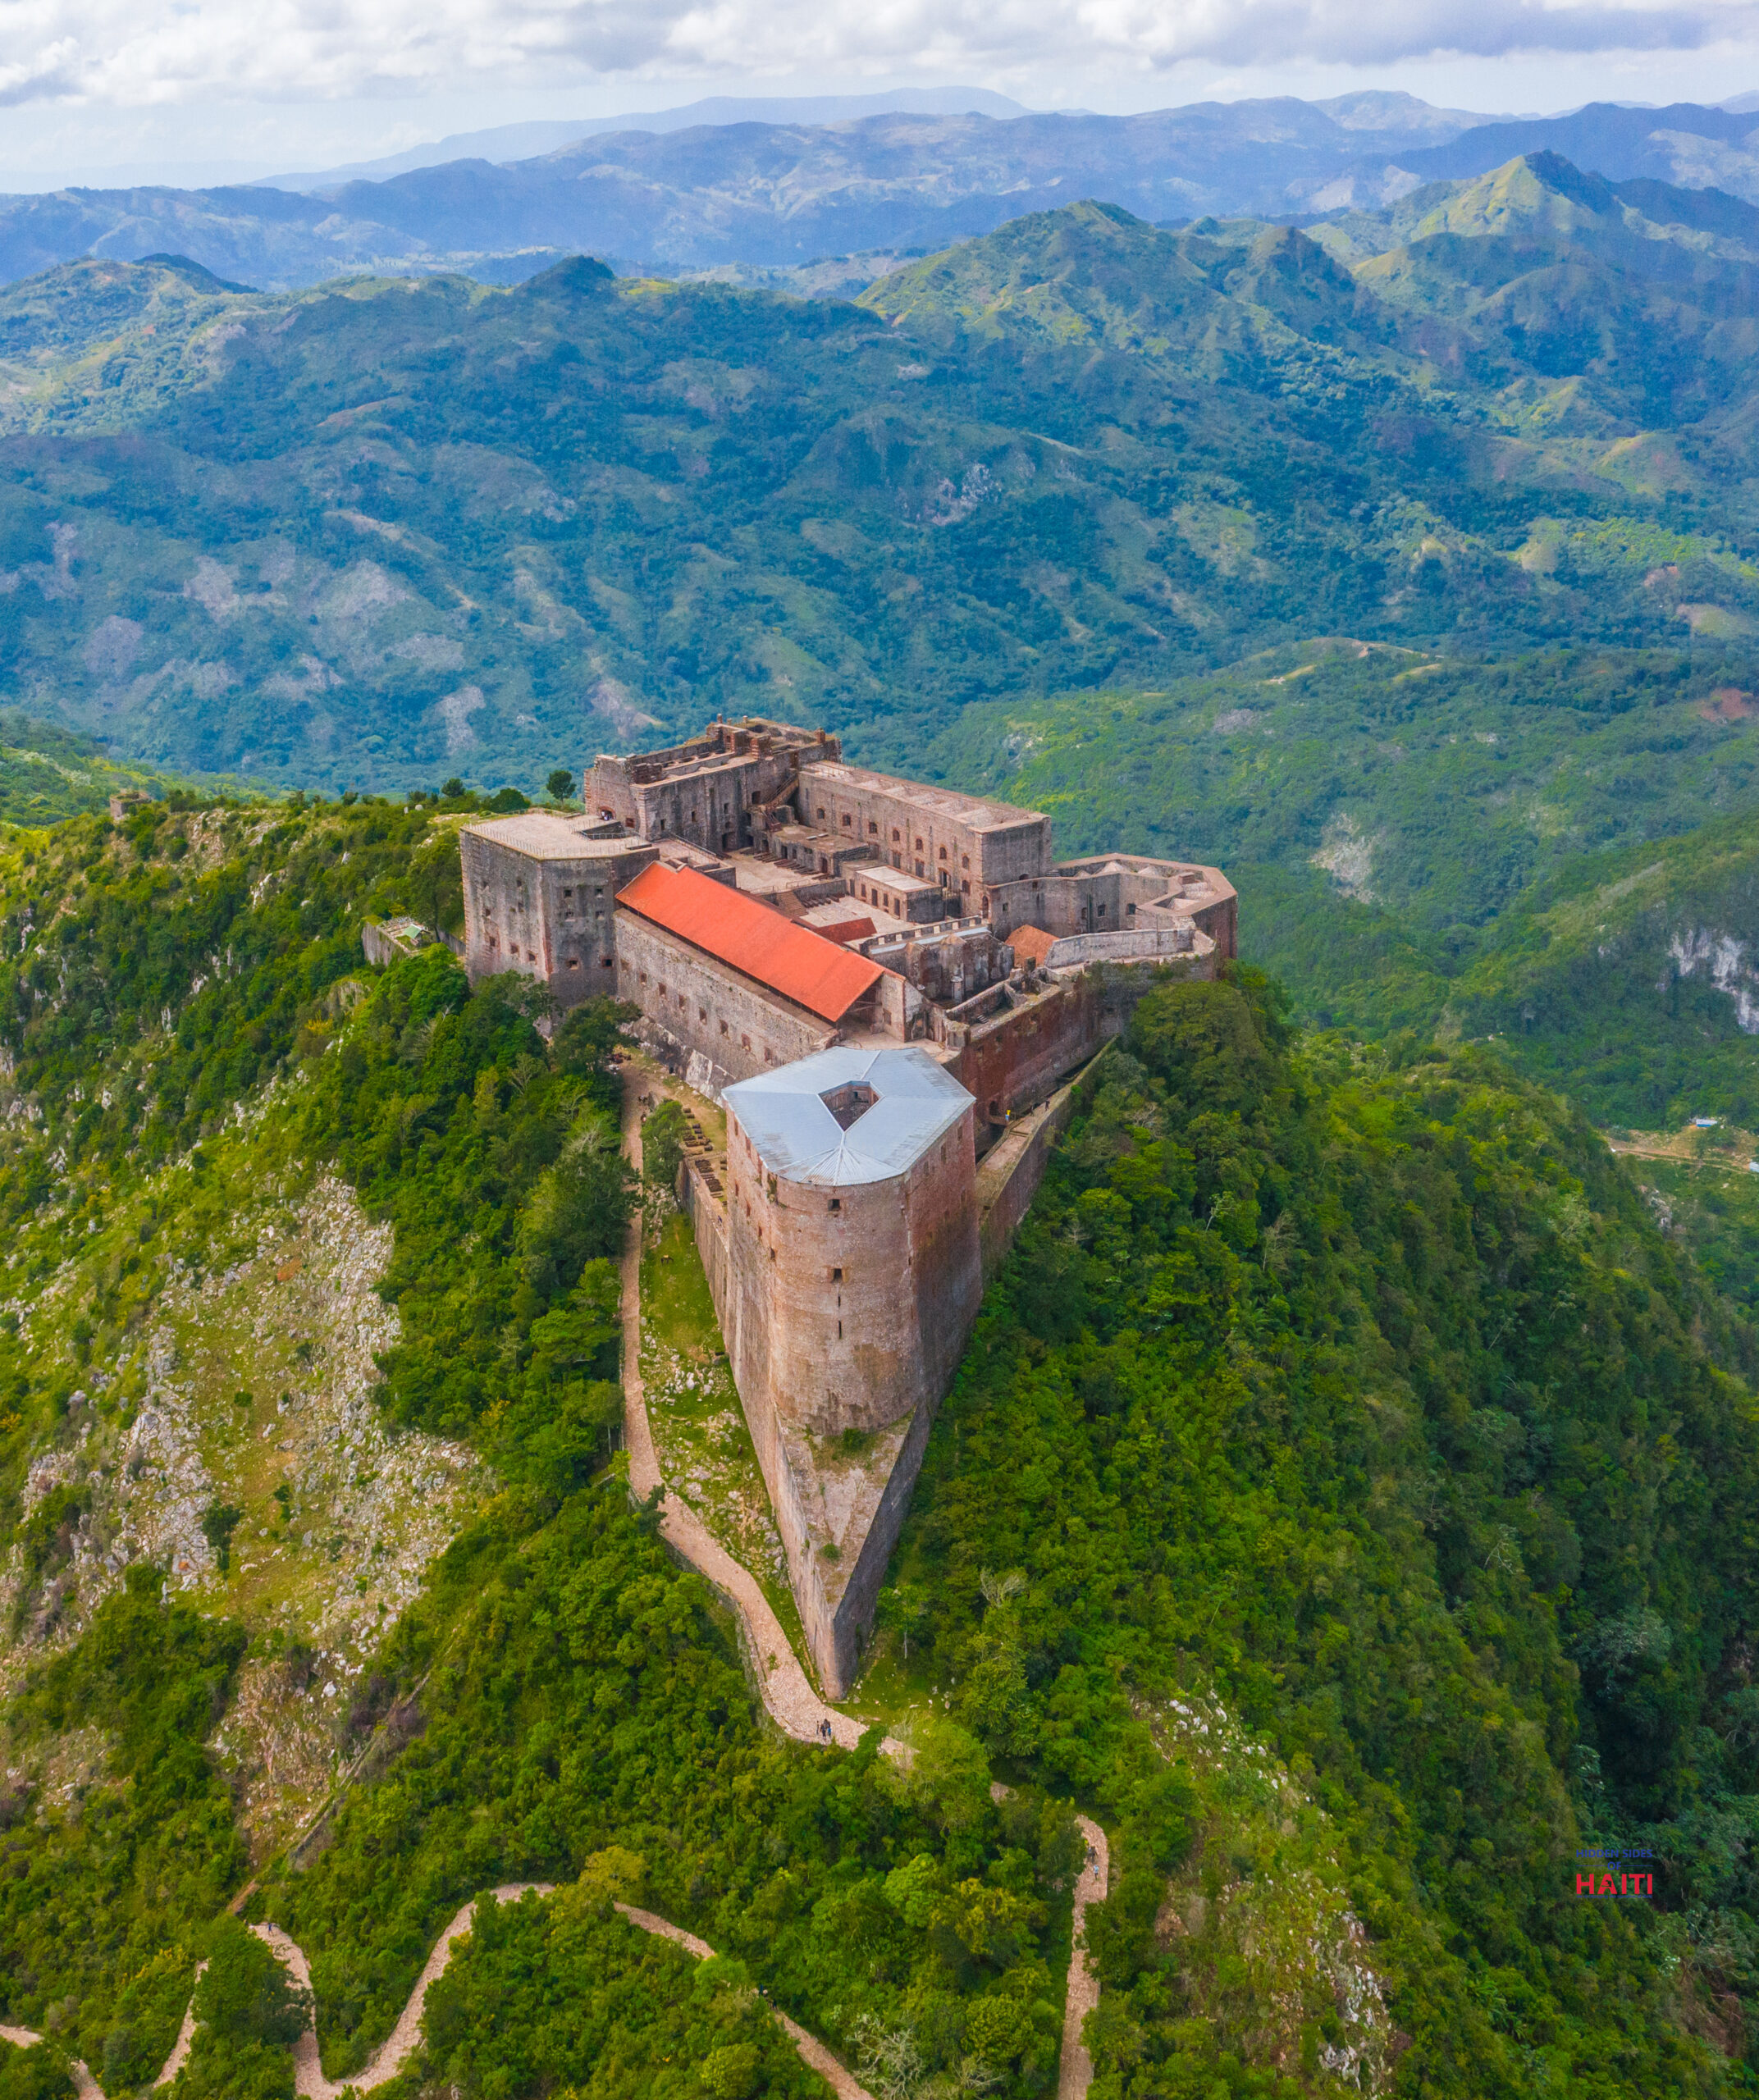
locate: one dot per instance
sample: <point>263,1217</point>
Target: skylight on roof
<point>849,1103</point>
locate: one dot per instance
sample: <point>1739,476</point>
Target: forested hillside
<point>380,533</point>
<point>1348,1498</point>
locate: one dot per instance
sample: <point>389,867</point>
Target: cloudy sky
<point>204,87</point>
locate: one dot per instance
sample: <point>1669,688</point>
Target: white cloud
<point>116,53</point>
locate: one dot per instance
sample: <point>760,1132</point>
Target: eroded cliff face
<point>1727,961</point>
<point>234,1440</point>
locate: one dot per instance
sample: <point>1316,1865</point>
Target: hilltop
<point>1343,1502</point>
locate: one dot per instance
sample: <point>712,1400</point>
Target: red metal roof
<point>1032,943</point>
<point>735,928</point>
<point>844,931</point>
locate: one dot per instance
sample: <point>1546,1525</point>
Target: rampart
<point>539,898</point>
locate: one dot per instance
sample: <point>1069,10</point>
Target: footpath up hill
<point>1347,1502</point>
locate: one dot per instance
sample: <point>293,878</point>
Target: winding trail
<point>790,1700</point>
<point>401,2044</point>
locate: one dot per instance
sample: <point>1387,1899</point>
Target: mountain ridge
<point>779,194</point>
<point>1082,449</point>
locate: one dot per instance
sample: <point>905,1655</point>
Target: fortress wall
<point>946,1271</point>
<point>923,834</point>
<point>870,1290</point>
<point>1060,904</point>
<point>815,1351</point>
<point>1220,922</point>
<point>734,1022</point>
<point>547,918</point>
<point>1012,1063</point>
<point>746,1318</point>
<point>708,1225</point>
<point>1009,1177</point>
<point>1107,893</point>
<point>845,1353</point>
<point>850,1620</point>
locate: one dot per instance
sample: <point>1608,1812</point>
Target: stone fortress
<point>887,988</point>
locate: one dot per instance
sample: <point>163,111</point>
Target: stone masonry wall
<point>707,1007</point>
<point>1016,1061</point>
<point>928,838</point>
<point>546,918</point>
<point>866,1292</point>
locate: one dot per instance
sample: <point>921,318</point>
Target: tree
<point>559,786</point>
<point>662,1136</point>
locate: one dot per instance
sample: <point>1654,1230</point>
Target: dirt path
<point>401,2044</point>
<point>785,1689</point>
<point>1075,2072</point>
<point>793,1705</point>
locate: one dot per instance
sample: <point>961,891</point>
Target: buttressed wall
<point>852,1283</point>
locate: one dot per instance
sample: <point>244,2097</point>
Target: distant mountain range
<point>394,530</point>
<point>506,142</point>
<point>767,197</point>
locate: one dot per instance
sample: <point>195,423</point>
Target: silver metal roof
<point>785,1115</point>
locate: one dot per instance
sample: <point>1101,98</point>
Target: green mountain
<point>47,774</point>
<point>389,531</point>
<point>1346,1500</point>
<point>1556,851</point>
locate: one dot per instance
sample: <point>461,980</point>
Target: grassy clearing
<point>210,1350</point>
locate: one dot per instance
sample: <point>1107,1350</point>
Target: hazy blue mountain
<point>769,195</point>
<point>520,142</point>
<point>1685,144</point>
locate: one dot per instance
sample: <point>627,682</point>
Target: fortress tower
<point>851,1280</point>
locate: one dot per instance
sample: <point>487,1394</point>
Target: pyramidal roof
<point>847,1139</point>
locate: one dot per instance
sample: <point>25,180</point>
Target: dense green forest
<point>1349,1495</point>
<point>372,534</point>
<point>1348,1498</point>
<point>1361,1400</point>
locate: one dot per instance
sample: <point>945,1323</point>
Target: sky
<point>203,90</point>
